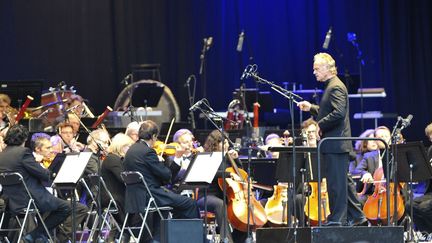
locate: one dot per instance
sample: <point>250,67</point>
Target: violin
<point>375,208</point>
<point>165,149</point>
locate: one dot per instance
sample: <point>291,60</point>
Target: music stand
<point>69,174</point>
<point>147,95</point>
<point>19,89</point>
<point>412,166</point>
<point>264,98</point>
<point>200,174</point>
<point>284,170</point>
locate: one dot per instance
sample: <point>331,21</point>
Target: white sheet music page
<point>72,168</point>
<point>204,167</point>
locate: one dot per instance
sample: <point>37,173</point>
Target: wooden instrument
<point>277,205</point>
<point>20,114</point>
<point>102,117</point>
<point>237,195</point>
<point>311,205</point>
<point>375,208</point>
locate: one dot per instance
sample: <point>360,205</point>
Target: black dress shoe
<point>332,224</point>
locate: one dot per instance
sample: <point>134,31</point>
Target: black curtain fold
<point>92,45</point>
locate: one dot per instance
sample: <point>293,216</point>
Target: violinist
<point>5,110</point>
<point>44,154</point>
<point>97,143</point>
<point>142,157</point>
<point>42,149</point>
<point>184,153</point>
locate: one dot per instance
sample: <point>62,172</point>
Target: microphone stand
<point>203,69</point>
<point>393,174</point>
<point>191,96</point>
<point>207,113</point>
<point>353,38</point>
<point>292,99</point>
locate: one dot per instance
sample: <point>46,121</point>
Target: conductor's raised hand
<point>304,105</point>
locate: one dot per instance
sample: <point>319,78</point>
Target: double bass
<point>237,196</point>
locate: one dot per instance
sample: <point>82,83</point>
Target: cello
<point>237,196</point>
<point>375,208</point>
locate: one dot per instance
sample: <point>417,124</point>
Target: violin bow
<point>167,136</point>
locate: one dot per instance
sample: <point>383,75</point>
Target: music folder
<point>72,169</point>
<point>201,170</point>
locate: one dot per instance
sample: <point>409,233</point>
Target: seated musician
<point>5,109</point>
<point>422,206</point>
<point>97,143</point>
<point>66,132</point>
<point>372,160</point>
<point>184,154</point>
<point>17,158</point>
<point>132,130</point>
<point>44,154</point>
<point>361,147</point>
<point>215,203</point>
<point>142,157</point>
<point>112,166</point>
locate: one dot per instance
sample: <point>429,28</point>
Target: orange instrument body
<point>277,205</point>
<point>165,149</point>
<point>237,195</point>
<point>375,208</point>
<point>311,205</point>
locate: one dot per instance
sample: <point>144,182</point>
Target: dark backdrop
<point>92,45</point>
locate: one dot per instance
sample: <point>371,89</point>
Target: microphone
<point>208,42</point>
<point>196,105</point>
<point>327,39</point>
<point>188,81</point>
<point>125,80</point>
<point>240,41</point>
<point>407,121</point>
<point>245,73</point>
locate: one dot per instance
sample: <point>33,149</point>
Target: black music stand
<point>264,98</point>
<point>200,174</point>
<point>412,166</point>
<point>19,89</point>
<point>285,171</point>
<point>68,176</point>
<point>147,95</point>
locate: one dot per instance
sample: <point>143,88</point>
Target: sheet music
<point>72,168</point>
<point>204,167</point>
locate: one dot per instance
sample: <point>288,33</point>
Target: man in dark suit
<point>332,116</point>
<point>141,157</point>
<point>17,158</point>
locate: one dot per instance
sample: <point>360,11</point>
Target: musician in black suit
<point>17,158</point>
<point>332,116</point>
<point>141,157</point>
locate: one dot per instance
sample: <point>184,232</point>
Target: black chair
<point>135,177</point>
<point>15,178</point>
<point>108,212</point>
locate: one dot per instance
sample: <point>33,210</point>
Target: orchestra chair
<point>107,216</point>
<point>92,217</point>
<point>15,178</point>
<point>131,178</point>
